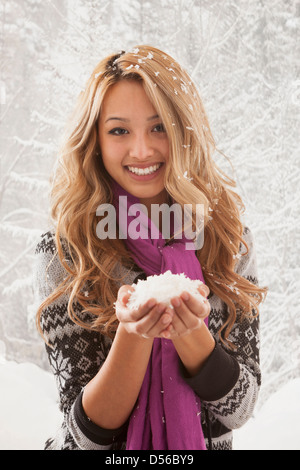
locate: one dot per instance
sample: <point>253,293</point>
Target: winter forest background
<point>244,57</point>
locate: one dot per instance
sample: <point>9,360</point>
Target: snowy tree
<point>243,57</point>
<point>27,151</point>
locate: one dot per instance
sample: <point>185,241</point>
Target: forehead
<point>127,96</point>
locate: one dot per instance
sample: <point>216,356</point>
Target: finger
<point>168,332</point>
<point>180,318</point>
<point>204,290</point>
<point>134,315</point>
<point>124,293</point>
<point>153,323</point>
<point>185,320</point>
<point>163,321</point>
<point>199,307</point>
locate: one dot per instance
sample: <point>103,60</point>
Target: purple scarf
<point>167,415</point>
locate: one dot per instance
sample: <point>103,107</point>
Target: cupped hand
<point>189,313</point>
<point>150,320</point>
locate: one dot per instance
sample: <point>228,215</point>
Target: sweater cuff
<point>216,378</point>
<point>94,432</point>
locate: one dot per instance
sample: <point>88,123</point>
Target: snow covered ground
<point>28,406</point>
<point>276,425</point>
<point>29,413</point>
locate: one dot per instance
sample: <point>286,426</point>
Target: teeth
<point>144,171</point>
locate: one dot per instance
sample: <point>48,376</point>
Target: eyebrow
<point>115,118</point>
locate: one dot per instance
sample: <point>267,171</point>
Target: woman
<point>157,377</point>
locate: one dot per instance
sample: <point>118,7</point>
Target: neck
<point>161,198</point>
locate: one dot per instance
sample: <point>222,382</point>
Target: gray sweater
<point>228,383</point>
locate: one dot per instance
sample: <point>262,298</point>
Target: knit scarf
<point>167,415</point>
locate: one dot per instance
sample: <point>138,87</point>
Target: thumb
<point>124,293</point>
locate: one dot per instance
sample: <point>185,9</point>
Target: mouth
<point>149,170</point>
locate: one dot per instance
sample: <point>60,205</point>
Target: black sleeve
<point>94,432</point>
<point>216,378</point>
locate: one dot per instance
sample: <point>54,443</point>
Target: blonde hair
<point>81,184</point>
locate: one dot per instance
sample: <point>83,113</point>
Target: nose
<point>141,148</point>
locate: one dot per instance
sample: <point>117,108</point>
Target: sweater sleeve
<point>229,382</point>
<point>75,356</point>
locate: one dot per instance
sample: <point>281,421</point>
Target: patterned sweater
<point>228,383</point>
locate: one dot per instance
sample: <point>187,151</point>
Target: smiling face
<point>133,142</point>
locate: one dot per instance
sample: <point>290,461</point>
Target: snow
<point>162,288</point>
<point>243,58</point>
<point>29,413</point>
<point>277,424</point>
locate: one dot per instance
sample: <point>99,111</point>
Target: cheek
<point>110,153</point>
<point>162,148</point>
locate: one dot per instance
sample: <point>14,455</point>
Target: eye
<point>118,131</point>
<point>159,128</point>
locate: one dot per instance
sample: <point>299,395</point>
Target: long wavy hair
<point>81,184</point>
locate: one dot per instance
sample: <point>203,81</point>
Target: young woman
<point>157,377</point>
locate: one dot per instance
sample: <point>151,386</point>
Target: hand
<point>189,313</point>
<point>149,320</point>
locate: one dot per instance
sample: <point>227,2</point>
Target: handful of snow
<point>163,288</point>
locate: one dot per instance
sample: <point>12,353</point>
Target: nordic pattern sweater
<point>228,383</point>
